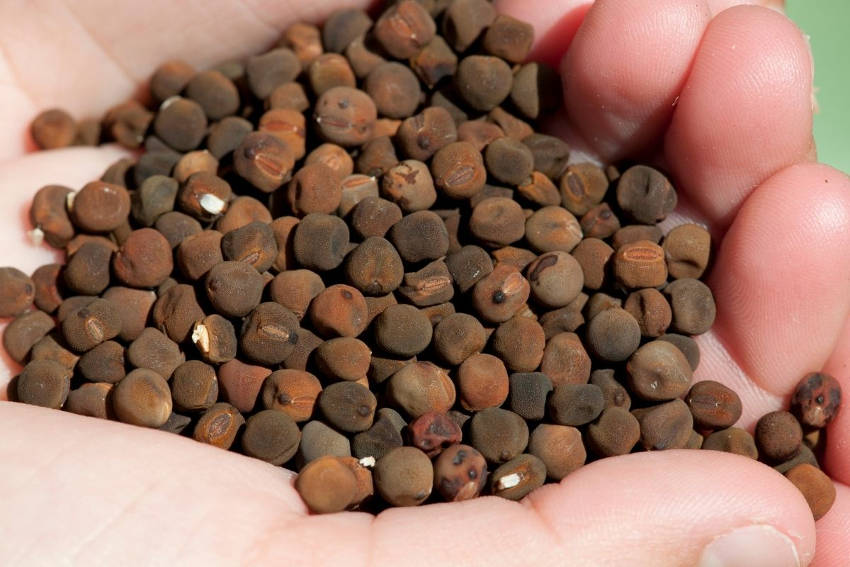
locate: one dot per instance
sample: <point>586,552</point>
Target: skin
<point>720,95</point>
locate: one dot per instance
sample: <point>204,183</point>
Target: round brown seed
<point>404,476</point>
<point>218,426</point>
<point>665,426</point>
<point>403,330</point>
<point>170,78</point>
<point>216,94</point>
<point>651,310</point>
<point>272,436</point>
<point>410,185</point>
<point>421,387</point>
<point>180,123</point>
<point>519,342</point>
<point>240,383</point>
<point>374,216</point>
<point>421,135</point>
<point>659,371</point>
<point>381,438</point>
<point>565,360</point>
<point>816,399</point>
<point>778,436</point>
<point>613,335</point>
<point>176,311</point>
<point>89,326</point>
<point>241,211</point>
<point>687,248</point>
<point>713,405</point>
<point>497,221</point>
<point>593,255</point>
<point>320,241</point>
<point>509,161</point>
<point>295,289</point>
<point>692,304</point>
<point>556,279</point>
<point>154,351</point>
<point>482,382</point>
<point>552,228</point>
<point>515,479</point>
<point>49,214</point>
<point>142,398</point>
<point>460,473</point>
<point>343,358</point>
<point>686,344</point>
<point>599,222</point>
<point>508,38</point>
<point>330,70</point>
<point>483,81</point>
<point>44,383</point>
<point>528,394</point>
<point>269,70</point>
<point>234,288</point>
<point>499,295</point>
<point>263,160</point>
<point>315,188</point>
<point>616,432</point>
<point>345,116</point>
<point>100,207</point>
<point>327,485</point>
<point>394,88</point>
<point>404,28</point>
<point>103,363</point>
<point>583,186</point>
<point>340,310</point>
<point>91,399</point>
<point>732,440</point>
<point>17,292</point>
<point>645,194</point>
<point>559,447</point>
<point>500,435</point>
<point>319,440</point>
<point>205,195</point>
<point>269,334</point>
<point>457,337</point>
<point>374,267</point>
<point>53,128</point>
<point>226,135</point>
<point>87,270</point>
<point>194,386</point>
<point>575,404</point>
<point>640,264</point>
<point>144,259</point>
<point>293,392</point>
<point>420,236</point>
<point>816,487</point>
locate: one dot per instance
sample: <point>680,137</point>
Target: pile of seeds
<point>355,256</point>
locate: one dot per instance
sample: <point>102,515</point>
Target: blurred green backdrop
<point>825,21</point>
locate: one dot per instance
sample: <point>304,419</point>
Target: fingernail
<point>751,546</point>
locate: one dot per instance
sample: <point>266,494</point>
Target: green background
<point>826,22</point>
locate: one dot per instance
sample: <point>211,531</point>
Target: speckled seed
<point>565,361</point>
<point>732,440</point>
<point>482,382</point>
<point>234,288</point>
<point>348,406</point>
<point>816,399</point>
<point>778,436</point>
<point>458,337</point>
<point>515,479</point>
<point>89,326</point>
<point>374,267</point>
<point>575,404</point>
<point>144,259</point>
<point>155,351</point>
<point>659,371</point>
<point>404,28</point>
<point>483,81</point>
<point>314,188</point>
<point>616,432</point>
<point>640,264</point>
<point>345,116</point>
<point>240,383</point>
<point>816,487</point>
<point>499,434</point>
<point>497,221</point>
<point>421,387</point>
<point>219,425</point>
<point>468,265</point>
<point>432,432</point>
<point>320,241</point>
<point>613,335</point>
<point>665,426</point>
<point>44,383</point>
<point>519,342</point>
<point>460,473</point>
<point>327,485</point>
<point>465,20</point>
<point>100,207</point>
<point>421,135</point>
<point>295,289</point>
<point>142,398</point>
<point>404,476</point>
<point>599,222</point>
<point>103,363</point>
<point>713,405</point>
<point>269,334</point>
<point>692,304</point>
<point>420,236</point>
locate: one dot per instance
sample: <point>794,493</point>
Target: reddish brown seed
<point>519,342</point>
<point>404,28</point>
<point>540,190</point>
<point>559,447</point>
<point>293,392</point>
<point>127,123</point>
<point>17,292</point>
<point>377,156</point>
<point>90,325</point>
<point>816,399</point>
<point>356,188</point>
<point>515,479</point>
<point>565,360</point>
<point>640,264</point>
<point>339,310</point>
<point>457,337</point>
<point>499,295</point>
<point>170,78</point>
<point>687,248</point>
<point>46,281</point>
<point>144,259</point>
<point>713,405</point>
<point>295,289</point>
<point>53,129</point>
<point>133,307</point>
<point>575,404</point>
<point>666,426</point>
<point>497,221</point>
<point>651,310</point>
<point>305,40</point>
<point>616,432</point>
<point>566,319</point>
<point>421,387</point>
<point>142,398</point>
<point>816,487</point>
<point>499,434</point>
<point>420,136</point>
<point>288,95</point>
<point>583,186</point>
<point>599,222</point>
<point>240,383</point>
<point>271,69</point>
<point>91,400</point>
<point>176,311</point>
<point>432,432</point>
<point>460,473</point>
<point>434,62</point>
<point>778,436</point>
<point>593,255</point>
<point>48,213</point>
<point>645,194</point>
<point>219,425</point>
<point>241,211</point>
<point>253,244</point>
<point>288,126</point>
<point>44,383</point>
<point>327,485</point>
<point>198,253</point>
<point>394,88</point>
<point>343,358</point>
<point>264,160</point>
<point>204,195</point>
<point>732,440</point>
<point>432,285</point>
<point>87,270</point>
<point>272,436</point>
<point>100,207</point>
<point>345,116</point>
<point>552,228</point>
<point>409,184</point>
<point>459,173</point>
<point>330,70</point>
<point>334,156</point>
<point>482,382</point>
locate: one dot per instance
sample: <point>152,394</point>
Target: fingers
<point>833,536</point>
<point>120,485</point>
<point>625,68</point>
<point>745,112</point>
<point>19,180</point>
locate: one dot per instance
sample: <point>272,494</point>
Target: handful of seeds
<point>355,256</point>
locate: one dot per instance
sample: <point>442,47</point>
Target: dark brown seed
<point>216,94</point>
<point>499,295</point>
<point>240,383</point>
<point>460,473</point>
<point>685,344</point>
<point>272,436</point>
<point>127,124</point>
<point>348,406</point>
<point>394,88</point>
<point>528,394</point>
<point>344,26</point>
<point>497,221</point>
<point>687,248</point>
<point>287,95</point>
<point>170,78</point>
<point>422,135</point>
<point>270,70</point>
<point>253,244</point>
<point>659,371</point>
<point>154,162</point>
<point>88,132</point>
<point>508,38</point>
<point>404,476</point>
<point>645,194</point>
<point>295,289</point>
<point>194,386</point>
<point>713,405</point>
<point>651,310</point>
<point>566,319</point>
<point>142,398</point>
<point>665,426</point>
<point>374,216</point>
<point>219,425</point>
<point>176,227</point>
<point>48,213</point>
<point>614,393</point>
<point>509,161</point>
<point>519,342</point>
<point>234,288</point>
<point>459,170</point>
<point>345,116</point>
<point>692,304</point>
<point>269,334</point>
<point>320,241</point>
<point>402,330</point>
<point>816,399</point>
<point>550,155</point>
<point>53,128</point>
<point>363,56</point>
<point>575,404</point>
<point>515,479</point>
<point>559,447</point>
<point>410,185</point>
<point>343,358</point>
<point>100,207</point>
<point>483,81</point>
<point>133,307</point>
<point>464,20</point>
<point>17,292</point>
<point>44,383</point>
<point>180,123</point>
<point>154,351</point>
<point>89,326</point>
<point>377,157</point>
<point>198,253</point>
<point>215,339</point>
<point>404,28</point>
<point>565,361</point>
<point>47,293</point>
<point>289,126</point>
<point>340,310</point>
<point>469,265</point>
<point>804,456</point>
<point>634,233</point>
<point>327,485</point>
<point>420,236</point>
<point>103,363</point>
<point>90,400</point>
<point>226,135</point>
<point>155,197</point>
<point>613,335</point>
<point>457,337</point>
<point>421,387</point>
<point>500,435</point>
<point>176,311</point>
<point>552,228</point>
<point>381,438</point>
<point>144,259</point>
<point>599,302</point>
<point>319,440</point>
<point>816,487</point>
<point>432,432</point>
<point>732,440</point>
<point>778,436</point>
<point>583,186</point>
<point>87,271</point>
<point>536,91</point>
<point>204,195</point>
<point>293,392</point>
<point>599,222</point>
<point>264,160</point>
<point>482,382</point>
<point>640,264</point>
<point>301,355</point>
<point>616,432</point>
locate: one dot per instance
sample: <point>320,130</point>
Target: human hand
<point>724,103</point>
